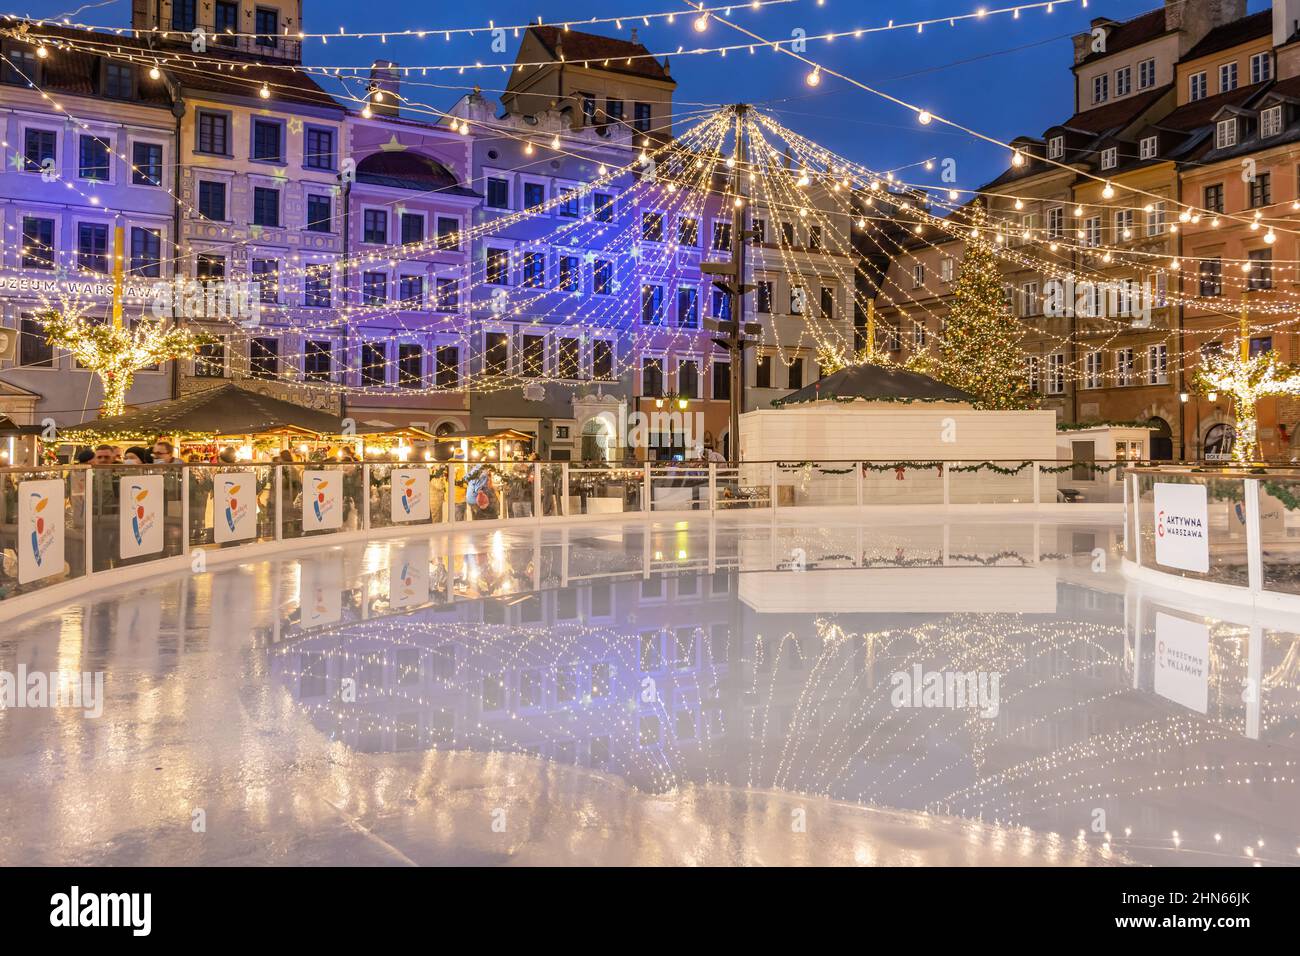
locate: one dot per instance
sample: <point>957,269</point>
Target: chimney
<point>1286,20</point>
<point>384,82</point>
<point>1196,18</point>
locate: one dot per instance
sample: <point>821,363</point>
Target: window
<point>447,366</point>
<point>266,273</point>
<point>795,376</point>
<point>652,380</point>
<point>1214,197</point>
<point>448,233</point>
<point>763,371</point>
<point>1227,77</point>
<point>1158,365</point>
<point>212,201</point>
<point>1225,133</point>
<point>210,360</point>
<point>688,307</point>
<point>183,15</point>
<point>602,205</point>
<point>614,110</point>
<point>534,270</point>
<point>602,360</point>
<point>1101,88</point>
<point>1261,190</point>
<point>721,236</point>
<point>498,267</point>
<point>759,229</point>
<point>588,109</point>
<point>267,27</point>
<point>1211,277</point>
<point>412,228</point>
<point>1148,147</point>
<point>374,288</point>
<point>652,304</point>
<point>1124,81</point>
<point>320,215</point>
<point>1261,268</point>
<point>534,356</point>
<point>317,361</point>
<point>918,275</point>
<point>787,233</point>
<point>641,117</point>
<point>764,301</point>
<point>567,358</point>
<point>722,381</point>
<point>567,275</point>
<point>1092,231</point>
<point>918,335</point>
<point>267,141</point>
<point>602,277</point>
<point>1124,366</point>
<point>1056,147</point>
<point>318,148</point>
<point>226,21</point>
<point>534,194</point>
<point>214,129</point>
<point>446,294</point>
<point>652,226</point>
<point>266,207</point>
<point>374,226</point>
<point>798,298</point>
<point>814,238</point>
<point>22,66</point>
<point>119,81</point>
<point>496,353</point>
<point>1196,87</point>
<point>316,287</point>
<point>92,247</point>
<point>688,232</point>
<point>38,243</point>
<point>410,291</point>
<point>146,162</point>
<point>721,304</point>
<point>1110,157</point>
<point>948,266</point>
<point>410,365</point>
<point>33,348</point>
<point>1261,67</point>
<point>146,252</point>
<point>1147,74</point>
<point>1156,219</point>
<point>828,302</point>
<point>38,147</point>
<point>1055,226</point>
<point>570,206</point>
<point>1092,370</point>
<point>498,193</point>
<point>1056,373</point>
<point>1031,303</point>
<point>264,357</point>
<point>688,378</point>
<point>1032,369</point>
<point>374,362</point>
<point>1270,121</point>
<point>1123,224</point>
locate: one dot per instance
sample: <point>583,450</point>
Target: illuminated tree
<point>1248,380</point>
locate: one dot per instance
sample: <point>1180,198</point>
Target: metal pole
<point>737,351</point>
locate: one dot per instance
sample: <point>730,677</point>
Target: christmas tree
<point>980,352</point>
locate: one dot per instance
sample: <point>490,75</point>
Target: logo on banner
<point>1182,668</point>
<point>236,503</point>
<point>322,501</point>
<point>410,494</point>
<point>1182,527</point>
<point>142,526</point>
<point>40,529</point>
<point>410,584</point>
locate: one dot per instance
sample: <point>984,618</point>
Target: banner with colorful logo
<point>234,506</point>
<point>40,529</point>
<point>320,589</point>
<point>141,506</point>
<point>410,494</point>
<point>1182,527</point>
<point>408,576</point>
<point>322,500</point>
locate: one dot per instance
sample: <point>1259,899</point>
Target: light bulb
<point>952,195</point>
<point>924,117</point>
<point>265,92</point>
<point>42,52</point>
<point>815,77</point>
<point>701,23</point>
<point>154,73</point>
<point>1017,158</point>
<point>1269,237</point>
<point>1078,211</point>
<point>1020,204</point>
<point>555,142</point>
<point>366,111</point>
<point>1108,192</point>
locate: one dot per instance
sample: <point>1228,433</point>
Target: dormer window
<point>1110,157</point>
<point>1270,121</point>
<point>1056,147</point>
<point>1148,147</point>
<point>1225,133</point>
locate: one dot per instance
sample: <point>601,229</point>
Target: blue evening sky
<point>1000,75</point>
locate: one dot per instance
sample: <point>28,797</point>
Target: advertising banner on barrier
<point>320,590</point>
<point>322,500</point>
<point>410,491</point>
<point>1183,662</point>
<point>408,578</point>
<point>234,506</point>
<point>1182,527</point>
<point>40,529</point>
<point>141,506</point>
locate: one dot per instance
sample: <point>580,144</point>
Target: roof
<point>409,170</point>
<point>1232,34</point>
<point>245,79</point>
<point>1190,116</point>
<point>77,71</point>
<point>1131,33</point>
<point>590,46</point>
<point>876,383</point>
<point>226,410</point>
<point>1115,114</point>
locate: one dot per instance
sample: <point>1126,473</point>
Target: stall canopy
<point>876,383</point>
<point>226,411</point>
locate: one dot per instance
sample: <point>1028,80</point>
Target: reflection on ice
<point>666,692</point>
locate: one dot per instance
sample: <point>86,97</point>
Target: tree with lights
<point>114,352</point>
<point>980,351</point>
<point>1248,379</point>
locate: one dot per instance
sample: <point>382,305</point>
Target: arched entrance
<point>1162,439</point>
<point>598,440</point>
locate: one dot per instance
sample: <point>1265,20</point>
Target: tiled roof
<point>77,71</point>
<point>1191,115</point>
<point>1233,34</point>
<point>245,79</point>
<point>1130,33</point>
<point>1115,114</point>
<point>589,46</point>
